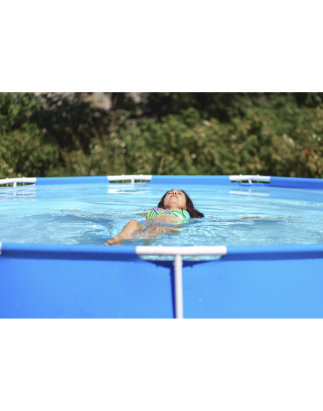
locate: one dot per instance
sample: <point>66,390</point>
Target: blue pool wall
<point>283,182</point>
<point>59,281</point>
<point>91,281</point>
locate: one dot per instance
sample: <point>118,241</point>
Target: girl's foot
<point>125,234</point>
<point>115,241</point>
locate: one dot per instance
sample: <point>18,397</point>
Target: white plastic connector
<point>14,181</point>
<point>189,250</point>
<point>129,177</point>
<point>250,179</point>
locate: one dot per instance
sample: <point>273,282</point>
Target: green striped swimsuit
<point>180,213</point>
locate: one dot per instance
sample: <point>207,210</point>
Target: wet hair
<point>189,204</point>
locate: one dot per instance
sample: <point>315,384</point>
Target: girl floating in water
<point>174,209</point>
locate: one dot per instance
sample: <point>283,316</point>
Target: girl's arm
<point>167,218</point>
<point>155,228</point>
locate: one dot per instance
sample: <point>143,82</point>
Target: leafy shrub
<point>255,144</point>
<point>24,150</point>
<point>23,154</point>
<point>55,134</point>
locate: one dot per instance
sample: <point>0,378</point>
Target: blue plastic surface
<point>71,252</point>
<point>51,288</point>
<point>254,289</point>
<point>214,180</point>
<point>72,180</point>
<point>274,252</point>
<point>288,182</point>
<point>46,281</point>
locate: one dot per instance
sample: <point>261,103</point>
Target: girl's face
<point>175,199</point>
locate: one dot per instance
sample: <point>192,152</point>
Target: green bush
<point>24,154</point>
<point>59,135</point>
<point>255,144</point>
<point>24,150</point>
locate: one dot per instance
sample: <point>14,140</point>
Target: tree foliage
<point>162,133</point>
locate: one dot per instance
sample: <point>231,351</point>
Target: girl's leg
<point>125,234</point>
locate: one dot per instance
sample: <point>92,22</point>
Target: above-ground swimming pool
<point>54,263</point>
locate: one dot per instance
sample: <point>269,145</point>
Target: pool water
<point>90,214</point>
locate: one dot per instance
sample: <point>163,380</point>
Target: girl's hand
<point>168,218</point>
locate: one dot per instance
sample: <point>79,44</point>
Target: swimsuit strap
<point>181,213</point>
<point>155,211</point>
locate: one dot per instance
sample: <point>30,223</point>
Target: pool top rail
<point>232,180</point>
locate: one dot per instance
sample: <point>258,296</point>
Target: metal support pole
<point>178,252</point>
<point>178,264</point>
